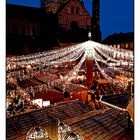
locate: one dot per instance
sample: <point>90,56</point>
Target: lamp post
<point>89,35</point>
<point>89,62</point>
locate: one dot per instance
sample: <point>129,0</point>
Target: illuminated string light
<point>26,66</point>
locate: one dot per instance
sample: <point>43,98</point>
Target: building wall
<point>74,12</point>
<point>23,27</point>
<point>22,35</point>
<point>124,45</point>
<point>26,31</point>
<point>120,40</point>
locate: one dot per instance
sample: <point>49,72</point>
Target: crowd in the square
<point>19,102</point>
<point>22,102</point>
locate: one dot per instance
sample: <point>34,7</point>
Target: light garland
<point>119,83</point>
<point>26,66</point>
<point>50,55</point>
<point>75,69</point>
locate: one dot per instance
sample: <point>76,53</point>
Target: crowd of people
<point>19,102</point>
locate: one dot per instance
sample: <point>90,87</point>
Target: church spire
<point>96,32</point>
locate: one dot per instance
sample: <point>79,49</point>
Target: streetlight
<point>89,35</point>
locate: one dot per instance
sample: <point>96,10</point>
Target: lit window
<point>126,46</point>
<point>118,46</point>
<point>114,45</point>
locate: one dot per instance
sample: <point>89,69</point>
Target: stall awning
<point>102,81</point>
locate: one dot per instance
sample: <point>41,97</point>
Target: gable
<point>74,8</point>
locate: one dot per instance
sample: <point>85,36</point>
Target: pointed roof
<point>68,2</point>
<point>119,38</point>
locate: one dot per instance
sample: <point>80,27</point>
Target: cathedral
<point>71,13</point>
<point>55,22</point>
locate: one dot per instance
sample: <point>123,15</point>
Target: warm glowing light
<point>29,67</point>
<point>38,102</point>
<point>37,133</point>
<point>46,103</point>
<point>109,56</point>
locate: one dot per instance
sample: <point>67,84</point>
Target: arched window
<point>72,10</point>
<point>77,10</point>
<point>74,25</point>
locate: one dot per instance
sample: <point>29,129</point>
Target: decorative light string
<point>116,53</point>
<point>44,87</point>
<point>65,80</point>
<point>104,53</point>
<point>28,73</point>
<point>25,67</point>
<point>52,53</point>
<point>121,84</point>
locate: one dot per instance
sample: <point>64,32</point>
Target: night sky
<point>116,15</point>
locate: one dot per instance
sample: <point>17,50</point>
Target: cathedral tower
<point>96,32</point>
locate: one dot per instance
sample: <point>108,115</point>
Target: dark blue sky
<point>116,15</point>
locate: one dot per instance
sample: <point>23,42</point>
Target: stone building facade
<point>23,28</point>
<point>121,40</point>
<point>56,21</point>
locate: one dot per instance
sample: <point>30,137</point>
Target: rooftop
<point>105,124</point>
<point>119,38</point>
